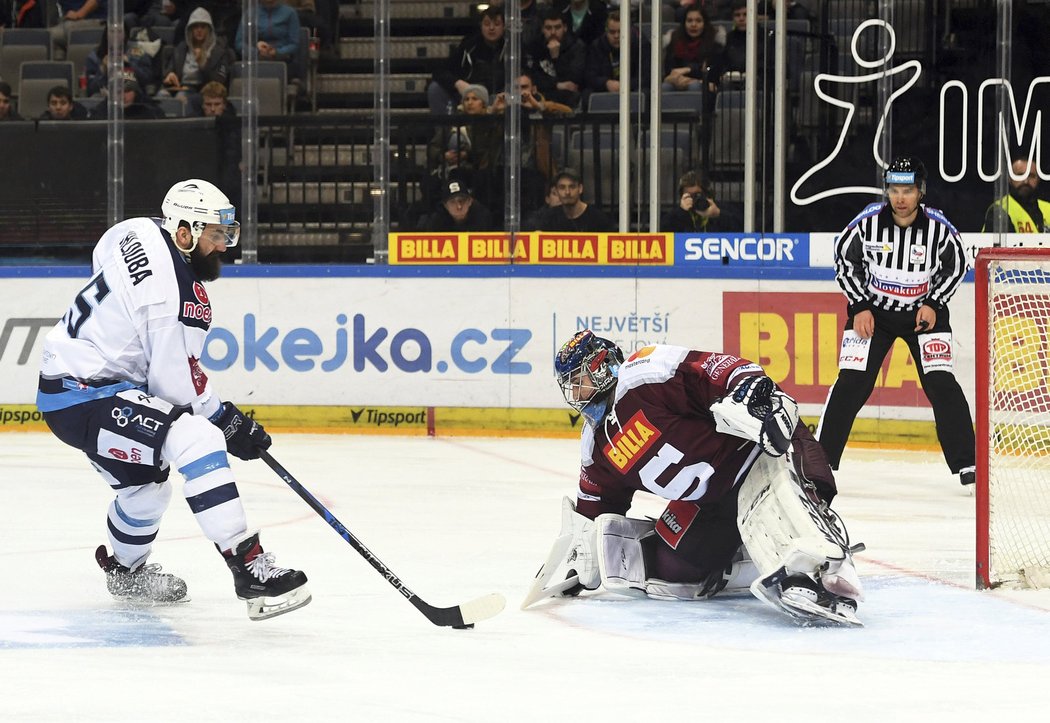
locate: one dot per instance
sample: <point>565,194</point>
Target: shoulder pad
<point>872,209</point>
<point>937,215</point>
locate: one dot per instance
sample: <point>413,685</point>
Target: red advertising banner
<point>796,336</point>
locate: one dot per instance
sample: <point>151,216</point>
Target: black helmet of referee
<point>907,170</point>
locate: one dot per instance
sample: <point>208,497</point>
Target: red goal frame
<point>983,382</point>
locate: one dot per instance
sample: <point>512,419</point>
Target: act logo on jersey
<point>631,442</point>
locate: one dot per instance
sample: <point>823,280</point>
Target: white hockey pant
<point>195,448</point>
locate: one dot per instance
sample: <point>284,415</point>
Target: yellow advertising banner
<point>533,247</point>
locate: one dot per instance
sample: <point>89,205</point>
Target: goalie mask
<point>586,367</point>
<point>198,204</point>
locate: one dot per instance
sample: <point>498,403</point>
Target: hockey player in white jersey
<point>121,380</point>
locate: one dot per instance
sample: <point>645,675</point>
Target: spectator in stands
<point>603,59</point>
<point>795,11</point>
<point>573,215</point>
<point>315,14</point>
<point>61,106</point>
<point>137,105</point>
<point>146,14</point>
<point>474,149</point>
<point>22,14</point>
<point>96,68</point>
<point>459,211</point>
<point>278,31</point>
<point>214,104</point>
<point>531,13</point>
<point>449,152</point>
<point>7,108</point>
<point>199,59</point>
<point>557,63</point>
<point>75,14</point>
<point>551,200</point>
<point>691,50</point>
<point>731,63</point>
<point>585,19</point>
<point>448,157</point>
<point>696,207</point>
<point>486,146</point>
<point>537,157</point>
<point>477,60</point>
<point>1020,210</point>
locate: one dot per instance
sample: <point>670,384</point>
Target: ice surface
<point>458,518</point>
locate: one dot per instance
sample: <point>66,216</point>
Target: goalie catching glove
<point>757,410</point>
<point>245,438</point>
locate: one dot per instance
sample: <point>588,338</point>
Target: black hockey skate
<point>806,600</point>
<point>145,584</point>
<point>269,590</point>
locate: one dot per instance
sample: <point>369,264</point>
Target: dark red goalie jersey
<point>660,436</point>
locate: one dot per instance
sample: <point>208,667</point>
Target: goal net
<point>1013,417</point>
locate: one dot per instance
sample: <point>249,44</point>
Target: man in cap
<point>459,210</point>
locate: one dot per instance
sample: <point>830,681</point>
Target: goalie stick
<point>458,616</point>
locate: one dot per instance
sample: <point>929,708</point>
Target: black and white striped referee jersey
<point>881,265</point>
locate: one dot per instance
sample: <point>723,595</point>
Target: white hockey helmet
<point>199,203</point>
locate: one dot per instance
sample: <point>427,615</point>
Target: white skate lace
<point>263,568</point>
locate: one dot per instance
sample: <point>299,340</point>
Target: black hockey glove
<point>245,437</point>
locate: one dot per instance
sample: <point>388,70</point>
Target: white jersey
<point>140,322</point>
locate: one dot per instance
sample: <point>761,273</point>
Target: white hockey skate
<point>145,585</point>
<point>805,599</point>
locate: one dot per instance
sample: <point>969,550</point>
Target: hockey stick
<point>459,616</point>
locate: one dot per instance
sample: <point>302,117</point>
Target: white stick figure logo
<point>912,66</point>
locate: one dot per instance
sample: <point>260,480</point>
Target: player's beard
<point>207,268</point>
<point>1024,193</point>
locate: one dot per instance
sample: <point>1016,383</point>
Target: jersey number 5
<point>85,303</point>
<point>689,483</point>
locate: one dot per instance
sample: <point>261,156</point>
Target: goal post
<point>1012,293</point>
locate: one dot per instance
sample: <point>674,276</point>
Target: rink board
<point>469,349</point>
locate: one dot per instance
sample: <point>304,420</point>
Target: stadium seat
<point>81,42</point>
<point>36,78</point>
<point>18,45</point>
<point>172,107</point>
<point>682,100</point>
<point>610,102</point>
<point>166,34</point>
<point>271,81</point>
<point>727,135</point>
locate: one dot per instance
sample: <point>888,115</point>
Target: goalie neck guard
<point>586,368</point>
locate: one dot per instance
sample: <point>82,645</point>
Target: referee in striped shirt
<point>899,262</point>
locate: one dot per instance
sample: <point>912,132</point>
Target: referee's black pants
<point>850,392</point>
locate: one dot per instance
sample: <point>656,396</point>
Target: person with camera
<point>695,210</point>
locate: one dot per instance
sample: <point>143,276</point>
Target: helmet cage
<point>587,363</point>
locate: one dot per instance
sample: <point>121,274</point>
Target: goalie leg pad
<point>573,559</point>
<point>622,559</point>
<point>789,533</point>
